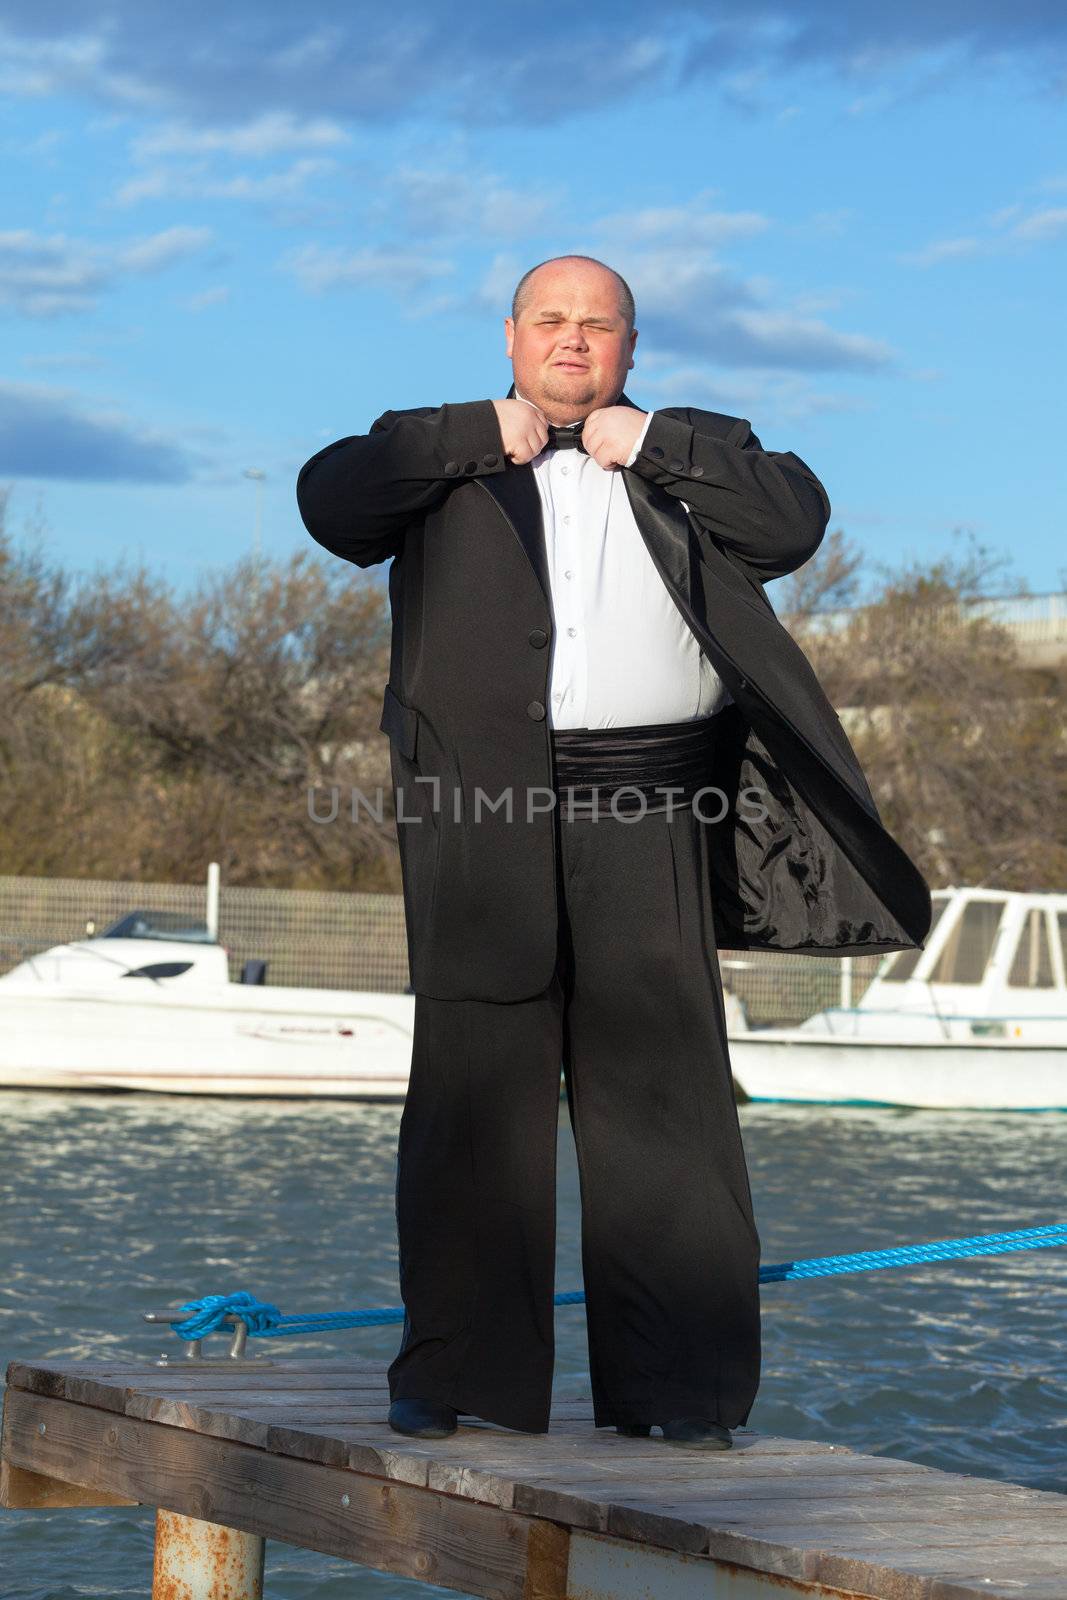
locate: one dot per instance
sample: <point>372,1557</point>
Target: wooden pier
<point>232,1453</point>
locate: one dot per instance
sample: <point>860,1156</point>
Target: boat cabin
<point>994,963</point>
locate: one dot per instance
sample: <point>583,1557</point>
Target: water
<point>111,1205</point>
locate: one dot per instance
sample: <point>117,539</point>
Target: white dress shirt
<point>623,654</point>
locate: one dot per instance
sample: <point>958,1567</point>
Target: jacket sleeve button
<point>490,461</point>
<point>538,638</point>
<point>472,466</point>
<point>657,452</point>
<point>677,466</point>
<point>451,468</point>
<point>697,472</point>
<point>536,710</point>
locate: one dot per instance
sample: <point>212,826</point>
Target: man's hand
<point>610,434</point>
<point>523,428</point>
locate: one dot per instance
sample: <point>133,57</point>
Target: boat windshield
<point>903,964</point>
<point>966,951</point>
<point>170,925</point>
<point>1032,966</point>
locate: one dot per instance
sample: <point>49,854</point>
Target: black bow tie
<point>566,438</point>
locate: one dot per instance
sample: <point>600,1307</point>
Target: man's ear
<point>633,341</point>
<point>509,335</point>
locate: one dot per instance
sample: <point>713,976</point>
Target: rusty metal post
<point>204,1561</point>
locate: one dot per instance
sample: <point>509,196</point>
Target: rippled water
<point>111,1205</point>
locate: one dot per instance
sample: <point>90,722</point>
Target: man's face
<point>570,347</point>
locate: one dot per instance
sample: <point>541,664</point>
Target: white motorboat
<point>148,1004</point>
<point>977,1020</point>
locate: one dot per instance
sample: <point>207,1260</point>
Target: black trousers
<point>670,1252</point>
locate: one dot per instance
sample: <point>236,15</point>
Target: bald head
<point>571,336</point>
<point>523,288</point>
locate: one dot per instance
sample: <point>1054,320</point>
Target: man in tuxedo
<point>609,760</point>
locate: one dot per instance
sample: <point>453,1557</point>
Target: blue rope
<point>906,1255</point>
<point>266,1321</point>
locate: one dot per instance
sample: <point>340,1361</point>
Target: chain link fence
<point>316,940</point>
<point>309,939</point>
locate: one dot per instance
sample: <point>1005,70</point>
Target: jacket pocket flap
<point>400,722</point>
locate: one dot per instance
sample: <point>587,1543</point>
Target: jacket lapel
<point>664,525</point>
<point>515,492</point>
<point>665,528</point>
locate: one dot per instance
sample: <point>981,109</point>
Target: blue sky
<point>231,234</point>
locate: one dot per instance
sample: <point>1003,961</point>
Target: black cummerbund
<point>642,761</point>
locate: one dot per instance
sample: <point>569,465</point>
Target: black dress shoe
<point>693,1431</point>
<point>425,1419</point>
<point>698,1433</point>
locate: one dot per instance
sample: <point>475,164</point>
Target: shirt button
<point>566,574</point>
<point>564,470</point>
<point>536,711</point>
<point>572,631</point>
<point>566,519</point>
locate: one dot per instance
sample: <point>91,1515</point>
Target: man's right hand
<point>523,428</point>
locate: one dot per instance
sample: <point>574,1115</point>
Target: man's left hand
<point>609,435</point>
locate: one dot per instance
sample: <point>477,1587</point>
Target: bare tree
<point>142,733</point>
<point>962,743</point>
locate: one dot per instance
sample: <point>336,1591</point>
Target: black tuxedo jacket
<point>465,706</point>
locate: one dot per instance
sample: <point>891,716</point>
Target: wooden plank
<point>390,1526</point>
<point>940,1573</point>
<point>802,1510</point>
<point>550,1493</point>
<point>948,1519</point>
<point>922,1547</point>
<point>599,1564</point>
<point>32,1491</point>
<point>101,1384</point>
<point>107,1391</point>
<point>246,1376</point>
<point>501,1457</point>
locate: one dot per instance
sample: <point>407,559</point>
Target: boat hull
<point>244,1042</point>
<point>986,1075</point>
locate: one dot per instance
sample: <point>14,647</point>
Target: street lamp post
<point>257,537</point>
<point>257,543</point>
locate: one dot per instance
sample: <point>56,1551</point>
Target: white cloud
<point>687,225</point>
<point>272,133</point>
<point>767,399</point>
<point>694,307</point>
<point>796,340</point>
<point>195,181</point>
<point>60,359</point>
<point>1047,224</point>
<point>43,277</point>
<point>210,64</point>
<point>54,275</point>
<point>50,433</point>
<point>943,250</point>
<point>319,270</point>
<point>207,298</point>
<point>444,202</point>
<point>159,250</point>
<point>1006,224</point>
